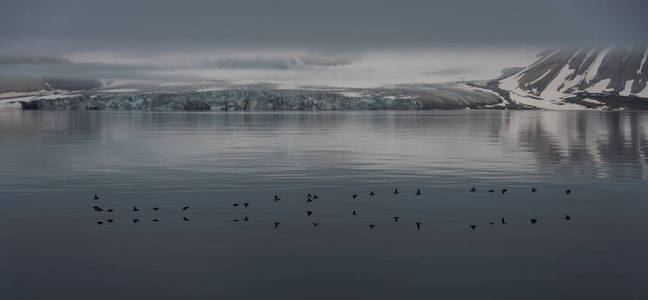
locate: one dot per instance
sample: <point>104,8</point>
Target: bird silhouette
<point>276,224</point>
<point>504,191</point>
<point>473,227</point>
<point>110,210</point>
<point>308,213</point>
<point>99,222</point>
<point>567,192</point>
<point>235,220</point>
<point>235,204</point>
<point>315,196</point>
<point>567,217</point>
<point>490,191</point>
<point>371,193</point>
<point>185,208</point>
<point>110,220</point>
<point>372,226</point>
<point>396,191</point>
<point>135,208</point>
<point>95,197</point>
<point>473,189</point>
<point>185,218</point>
<point>418,193</point>
<point>156,208</point>
<point>276,198</point>
<point>309,200</point>
<point>418,225</point>
<point>315,224</point>
<point>354,213</point>
<point>97,208</point>
<point>533,221</point>
<point>135,220</point>
<point>491,223</point>
<point>246,204</point>
<point>309,195</point>
<point>503,222</point>
<point>396,219</point>
<point>156,220</point>
<point>246,219</point>
<point>355,196</point>
<point>533,190</point>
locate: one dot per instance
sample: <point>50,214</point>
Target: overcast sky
<point>61,25</point>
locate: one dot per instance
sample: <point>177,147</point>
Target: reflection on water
<point>52,162</point>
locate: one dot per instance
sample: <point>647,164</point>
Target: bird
<point>473,189</point>
<point>418,193</point>
<point>372,226</point>
<point>371,193</point>
<point>246,204</point>
<point>309,195</point>
<point>490,191</point>
<point>396,219</point>
<point>354,213</point>
<point>473,227</point>
<point>355,196</point>
<point>246,219</point>
<point>491,223</point>
<point>110,220</point>
<point>567,217</point>
<point>110,210</point>
<point>396,191</point>
<point>418,225</point>
<point>533,190</point>
<point>135,208</point>
<point>276,198</point>
<point>135,220</point>
<point>533,221</point>
<point>156,220</point>
<point>309,200</point>
<point>503,222</point>
<point>315,224</point>
<point>504,191</point>
<point>315,196</point>
<point>235,204</point>
<point>185,218</point>
<point>97,208</point>
<point>156,208</point>
<point>185,208</point>
<point>99,222</point>
<point>235,220</point>
<point>567,192</point>
<point>276,224</point>
<point>95,197</point>
<point>308,212</point>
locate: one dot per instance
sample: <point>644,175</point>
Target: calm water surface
<point>52,162</point>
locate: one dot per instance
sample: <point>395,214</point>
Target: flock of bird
<point>309,198</point>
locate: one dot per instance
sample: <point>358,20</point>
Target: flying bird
<point>185,208</point>
<point>156,208</point>
<point>491,223</point>
<point>185,218</point>
<point>110,220</point>
<point>95,197</point>
<point>533,221</point>
<point>99,222</point>
<point>371,193</point>
<point>308,213</point>
<point>135,220</point>
<point>372,226</point>
<point>354,213</point>
<point>135,208</point>
<point>110,210</point>
<point>503,222</point>
<point>567,217</point>
<point>276,224</point>
<point>533,190</point>
<point>276,198</point>
<point>504,191</point>
<point>567,192</point>
<point>473,227</point>
<point>418,193</point>
<point>396,219</point>
<point>156,220</point>
<point>355,196</point>
<point>235,204</point>
<point>235,220</point>
<point>315,196</point>
<point>473,189</point>
<point>246,219</point>
<point>418,225</point>
<point>315,224</point>
<point>246,204</point>
<point>396,191</point>
<point>97,208</point>
<point>490,191</point>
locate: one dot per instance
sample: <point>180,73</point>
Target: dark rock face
<point>576,71</point>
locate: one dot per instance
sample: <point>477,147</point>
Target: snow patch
<point>627,89</point>
<point>643,61</point>
<point>593,69</point>
<point>599,87</point>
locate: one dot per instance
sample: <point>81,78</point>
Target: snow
<point>552,91</point>
<point>644,93</point>
<point>599,87</point>
<point>592,101</point>
<point>351,94</point>
<point>643,61</point>
<point>540,78</point>
<point>593,69</point>
<point>519,95</point>
<point>627,89</point>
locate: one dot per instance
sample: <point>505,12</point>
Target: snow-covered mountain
<point>612,77</point>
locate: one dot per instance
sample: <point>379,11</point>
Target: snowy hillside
<point>572,79</point>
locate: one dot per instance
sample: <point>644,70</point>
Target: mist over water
<point>51,163</point>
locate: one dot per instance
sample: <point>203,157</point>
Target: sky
<point>175,37</point>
